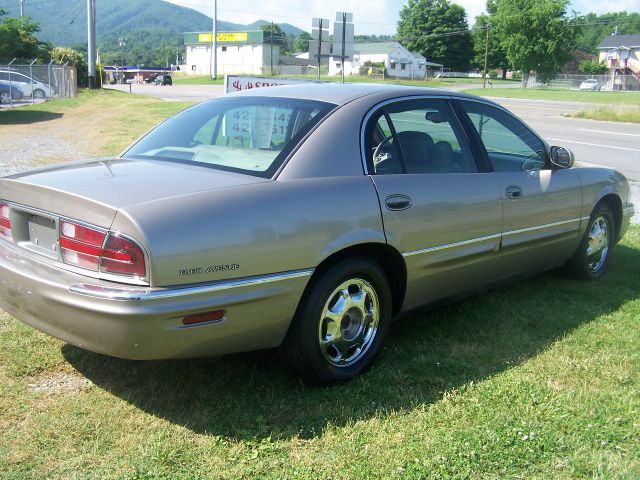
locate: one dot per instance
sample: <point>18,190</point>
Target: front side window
<point>417,136</point>
<point>251,135</point>
<point>510,145</point>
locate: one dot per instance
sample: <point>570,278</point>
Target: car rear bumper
<point>146,323</point>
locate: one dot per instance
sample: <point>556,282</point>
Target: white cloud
<point>370,17</point>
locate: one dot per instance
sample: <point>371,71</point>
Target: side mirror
<point>561,157</point>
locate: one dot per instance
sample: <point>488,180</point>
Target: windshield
<point>251,135</point>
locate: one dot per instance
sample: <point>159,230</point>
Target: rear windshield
<point>251,135</point>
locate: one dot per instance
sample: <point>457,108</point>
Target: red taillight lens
<point>5,222</point>
<point>99,251</point>
<point>122,257</point>
<point>81,246</point>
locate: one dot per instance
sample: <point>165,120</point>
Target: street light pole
<point>486,56</point>
<point>22,8</point>
<point>91,42</point>
<point>214,42</point>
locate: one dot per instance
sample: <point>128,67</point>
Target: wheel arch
<point>386,257</point>
<point>614,203</point>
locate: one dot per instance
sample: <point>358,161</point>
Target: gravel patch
<point>27,152</point>
<point>57,384</point>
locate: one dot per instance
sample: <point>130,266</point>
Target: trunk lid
<point>93,191</point>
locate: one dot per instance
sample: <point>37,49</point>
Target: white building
<point>399,61</point>
<point>252,52</point>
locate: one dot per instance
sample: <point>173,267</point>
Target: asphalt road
<point>612,144</point>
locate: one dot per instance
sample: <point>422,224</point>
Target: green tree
<point>74,59</point>
<point>496,56</point>
<point>535,34</point>
<point>593,67</point>
<point>597,27</point>
<point>18,40</point>
<point>278,36</point>
<point>438,30</point>
<point>301,43</point>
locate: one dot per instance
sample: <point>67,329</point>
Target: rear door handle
<point>513,192</point>
<point>397,202</point>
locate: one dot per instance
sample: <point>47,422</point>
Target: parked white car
<point>27,84</point>
<point>591,84</point>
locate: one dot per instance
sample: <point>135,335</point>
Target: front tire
<point>591,259</point>
<point>340,325</point>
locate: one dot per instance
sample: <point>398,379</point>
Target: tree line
<point>524,35</point>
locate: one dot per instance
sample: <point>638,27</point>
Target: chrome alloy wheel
<point>598,244</point>
<point>349,322</point>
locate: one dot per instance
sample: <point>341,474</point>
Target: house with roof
<point>622,54</point>
<point>398,60</point>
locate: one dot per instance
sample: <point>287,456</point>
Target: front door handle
<point>397,202</point>
<point>513,192</point>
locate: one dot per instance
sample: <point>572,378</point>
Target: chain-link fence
<point>24,83</point>
<point>605,82</point>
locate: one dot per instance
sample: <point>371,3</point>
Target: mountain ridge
<point>64,22</point>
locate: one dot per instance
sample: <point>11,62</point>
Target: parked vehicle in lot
<point>163,80</point>
<point>151,78</point>
<point>9,91</point>
<point>26,84</point>
<point>303,217</point>
<point>590,84</point>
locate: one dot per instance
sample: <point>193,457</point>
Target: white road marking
<point>610,133</point>
<point>593,144</point>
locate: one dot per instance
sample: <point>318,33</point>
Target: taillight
<point>122,257</point>
<point>5,222</point>
<point>81,246</point>
<point>104,252</point>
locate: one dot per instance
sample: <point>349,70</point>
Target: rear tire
<point>340,325</point>
<point>39,94</point>
<point>591,259</point>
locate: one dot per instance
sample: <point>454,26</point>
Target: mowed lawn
<point>539,378</point>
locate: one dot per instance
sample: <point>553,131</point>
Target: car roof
<point>341,93</point>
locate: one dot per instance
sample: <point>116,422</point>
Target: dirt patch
<point>57,383</point>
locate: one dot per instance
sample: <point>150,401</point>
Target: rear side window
<point>251,135</point>
<point>417,136</point>
<point>510,145</point>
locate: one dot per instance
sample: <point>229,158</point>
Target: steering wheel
<point>532,161</point>
<point>379,157</point>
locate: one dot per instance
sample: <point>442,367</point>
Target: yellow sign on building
<point>231,37</point>
<point>223,37</point>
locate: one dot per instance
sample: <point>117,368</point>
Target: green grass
<point>108,119</point>
<point>631,115</point>
<point>536,379</point>
<point>610,98</point>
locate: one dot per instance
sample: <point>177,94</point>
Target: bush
<point>493,74</point>
<point>377,67</point>
<point>592,67</point>
<point>516,75</point>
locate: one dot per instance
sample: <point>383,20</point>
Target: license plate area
<point>38,233</point>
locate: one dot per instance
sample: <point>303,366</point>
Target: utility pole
<point>271,43</point>
<point>486,56</point>
<point>22,8</point>
<point>214,41</point>
<point>319,48</point>
<point>91,43</point>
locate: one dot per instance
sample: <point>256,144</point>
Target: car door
<point>541,206</point>
<point>440,208</point>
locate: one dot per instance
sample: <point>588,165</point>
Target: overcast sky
<point>370,16</point>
